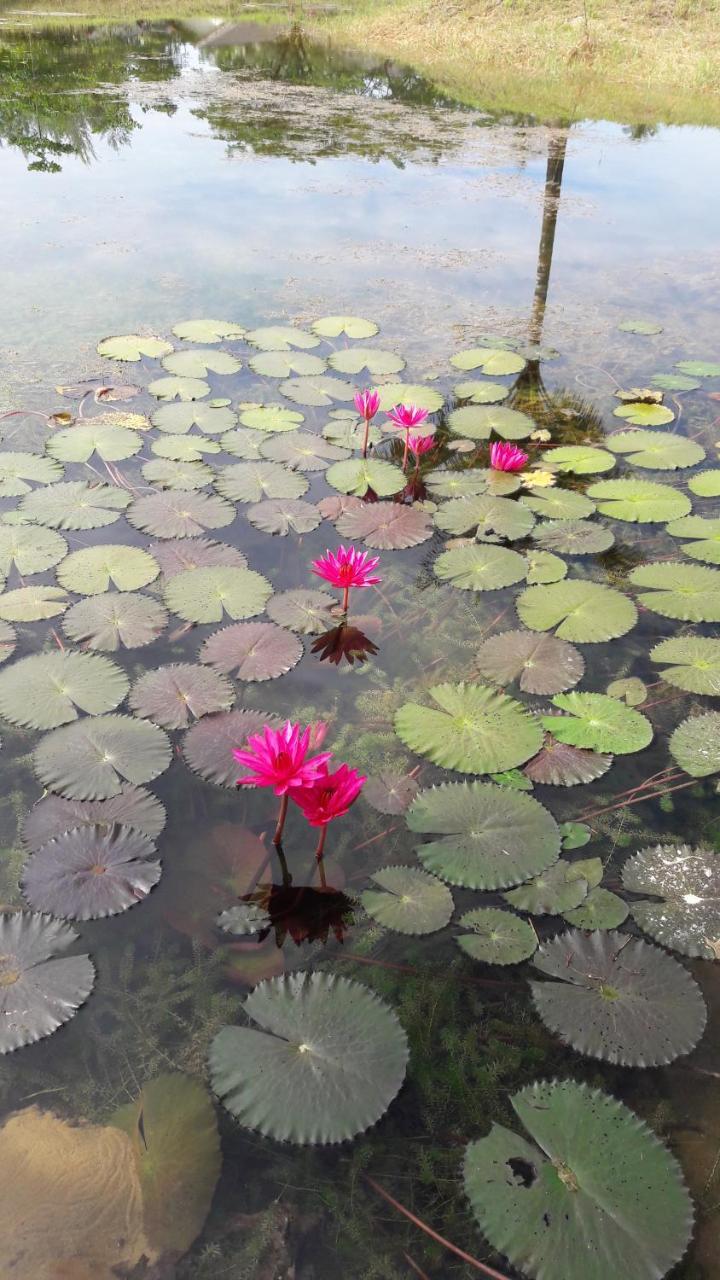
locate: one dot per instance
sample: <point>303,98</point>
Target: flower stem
<point>282,815</point>
<point>407,448</point>
<point>346,599</point>
<point>365,439</point>
<point>321,843</point>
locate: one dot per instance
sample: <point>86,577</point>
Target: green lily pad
<point>385,525</point>
<point>29,549</point>
<point>480,567</point>
<point>321,390</point>
<point>690,592</point>
<point>541,664</point>
<point>281,338</point>
<point>496,937</point>
<point>673,382</point>
<point>359,475</point>
<point>90,873</point>
<point>243,443</point>
<point>492,518</point>
<point>47,689</point>
<point>252,651</point>
<point>349,433</point>
<point>706,484</point>
<point>408,900</point>
<point>491,836</point>
<point>282,364</point>
<point>8,641</point>
<point>600,910</point>
<point>495,363</point>
<point>415,393</point>
<point>271,417</point>
<point>574,836</point>
<point>584,612</point>
<point>639,501</point>
<point>287,1074</point>
<point>695,744</point>
<point>184,476</point>
<point>543,566</point>
<point>174,388</point>
<point>594,1184</point>
<point>355,359</point>
<point>253,481</point>
<point>30,604</point>
<point>302,451</point>
<point>177,514</point>
<point>699,368</point>
<point>695,663</point>
<point>40,991</point>
<point>208,746</point>
<point>93,570</point>
<point>79,443</point>
<point>560,888</point>
<point>114,621</point>
<point>599,723</point>
<point>351,326</point>
<point>618,998</point>
<point>133,346</point>
<point>559,504</point>
<point>197,362</point>
<point>208,331</point>
<point>178,417</point>
<point>630,690</point>
<point>686,885</point>
<point>475,730</point>
<point>482,392</point>
<point>188,448</point>
<point>90,760</point>
<point>176,695</point>
<point>75,505</point>
<point>304,611</point>
<point>17,469</point>
<point>284,515</point>
<point>656,449</point>
<point>579,459</point>
<point>574,537</point>
<point>646,327</point>
<point>470,483</point>
<point>478,422</point>
<point>707,535</point>
<point>205,595</point>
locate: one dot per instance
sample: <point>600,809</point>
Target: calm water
<point>148,175</point>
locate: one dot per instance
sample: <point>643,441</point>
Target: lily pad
<point>474,481</point>
<point>645,327</point>
<point>351,326</point>
<point>687,883</point>
<point>386,526</point>
<point>594,1184</point>
<point>180,515</point>
<point>618,998</point>
<point>559,504</point>
<point>176,695</point>
<point>492,518</point>
<point>496,937</point>
<point>244,443</point>
<point>75,505</point>
<point>8,640</point>
<point>118,620</point>
<point>195,553</point>
<point>631,690</point>
<point>208,746</point>
<point>491,836</point>
<point>197,362</point>
<point>559,765</point>
<point>94,570</point>
<point>706,533</point>
<point>695,663</point>
<point>47,689</point>
<point>475,730</point>
<point>642,414</point>
<point>495,363</point>
<point>349,433</point>
<point>188,448</point>
<point>639,501</point>
<point>205,595</point>
<point>245,919</point>
<point>543,566</point>
<point>185,476</point>
<point>284,515</point>
<point>287,1075</point>
<point>479,422</point>
<point>18,469</point>
<point>673,382</point>
<point>584,612</point>
<point>91,872</point>
<point>706,484</point>
<point>301,610</point>
<point>579,459</point>
<point>690,592</point>
<point>29,549</point>
<point>253,481</point>
<point>699,368</point>
<point>38,990</point>
<point>540,664</point>
<point>390,792</point>
<point>359,475</point>
<point>415,393</point>
<point>173,388</point>
<point>281,338</point>
<point>561,887</point>
<point>30,604</point>
<point>480,567</point>
<point>133,346</point>
<point>133,807</point>
<point>320,390</point>
<point>574,537</point>
<point>655,449</point>
<point>695,744</point>
<point>281,364</point>
<point>599,723</point>
<point>302,451</point>
<point>600,910</point>
<point>178,418</point>
<point>208,330</point>
<point>79,443</point>
<point>482,392</point>
<point>354,360</point>
<point>408,900</point>
<point>252,651</point>
<point>90,760</point>
<point>271,417</point>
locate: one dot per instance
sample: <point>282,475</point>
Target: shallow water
<point>151,175</point>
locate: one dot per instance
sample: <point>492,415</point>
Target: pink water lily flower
<point>507,457</point>
<point>278,758</point>
<point>329,797</point>
<point>419,445</point>
<point>345,568</point>
<point>367,404</point>
<point>407,416</point>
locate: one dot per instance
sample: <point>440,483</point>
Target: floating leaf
<point>673,382</point>
<point>559,765</point>
<point>79,443</point>
<point>247,918</point>
<point>91,872</point>
<point>195,553</point>
<point>495,363</point>
<point>281,338</point>
<point>272,417</point>
<point>390,792</point>
<point>561,887</point>
<point>482,392</point>
<point>493,518</point>
<point>189,448</point>
<point>377,363</point>
<point>287,1075</point>
<point>408,900</point>
<point>208,746</point>
<point>30,604</point>
<point>585,612</point>
<point>45,689</point>
<point>204,595</point>
<point>579,459</point>
<point>349,433</point>
<point>492,837</point>
<point>475,730</point>
<point>646,327</point>
<point>38,991</point>
<point>75,505</point>
<point>95,569</point>
<point>198,362</point>
<point>172,388</point>
<point>644,415</point>
<point>89,760</point>
<point>545,567</point>
<point>574,537</point>
<point>29,549</point>
<point>301,610</point>
<point>321,390</point>
<point>133,346</point>
<point>302,451</point>
<point>690,592</point>
<point>281,364</point>
<point>461,484</point>
<point>351,326</point>
<point>699,368</point>
<point>176,695</point>
<point>707,533</point>
<point>208,330</point>
<point>598,1186</point>
<point>178,475</point>
<point>598,723</point>
<point>695,663</point>
<point>17,469</point>
<point>385,525</point>
<point>252,651</point>
<point>655,449</point>
<point>600,910</point>
<point>362,474</point>
<point>178,418</point>
<point>559,504</point>
<point>631,690</point>
<point>639,501</point>
<point>618,998</point>
<point>541,664</point>
<point>496,937</point>
<point>133,807</point>
<point>284,515</point>
<point>253,481</point>
<point>478,422</point>
<point>706,484</point>
<point>687,881</point>
<point>480,567</point>
<point>695,744</point>
<point>8,640</point>
<point>113,621</point>
<point>415,393</point>
<point>180,515</point>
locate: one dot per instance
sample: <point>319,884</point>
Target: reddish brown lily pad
<point>208,746</point>
<point>559,765</point>
<point>91,872</point>
<point>540,663</point>
<point>390,792</point>
<point>133,807</point>
<point>195,553</point>
<point>253,650</point>
<point>386,525</point>
<point>175,695</point>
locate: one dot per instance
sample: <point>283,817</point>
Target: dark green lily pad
<point>574,836</point>
<point>475,729</point>
<point>673,382</point>
<point>252,651</point>
<point>562,886</point>
<point>600,910</point>
<point>695,663</point>
<point>574,537</point>
<point>687,883</point>
<point>695,744</point>
<point>631,690</point>
<point>91,872</point>
<point>75,505</point>
<point>38,990</point>
<point>699,368</point>
<point>47,689</point>
<point>496,937</point>
<point>540,663</point>
<point>176,695</point>
<point>90,760</point>
<point>598,723</point>
<point>690,592</point>
<point>114,621</point>
<point>408,900</point>
<point>584,612</point>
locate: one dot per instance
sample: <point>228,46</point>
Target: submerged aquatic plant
<point>407,416</point>
<point>367,404</point>
<point>329,796</point>
<point>507,457</point>
<point>278,759</point>
<point>347,567</point>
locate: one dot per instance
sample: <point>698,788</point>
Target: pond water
<point>160,173</point>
